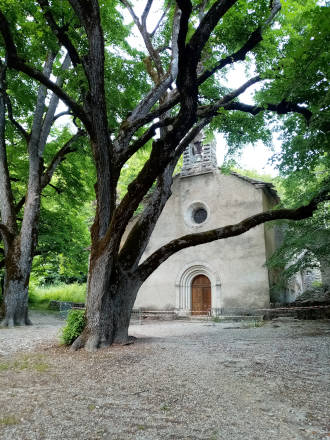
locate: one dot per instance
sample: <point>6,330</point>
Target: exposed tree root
<point>10,321</point>
<point>78,344</point>
<point>94,342</point>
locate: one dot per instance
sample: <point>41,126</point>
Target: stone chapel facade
<point>222,275</point>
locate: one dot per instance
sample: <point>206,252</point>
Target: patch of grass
<point>21,364</point>
<point>91,407</point>
<point>75,324</point>
<point>9,421</point>
<point>33,363</point>
<point>165,407</point>
<point>253,324</point>
<point>4,366</point>
<point>39,297</point>
<point>41,367</point>
<point>216,319</point>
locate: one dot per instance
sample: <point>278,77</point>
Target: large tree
<point>187,54</point>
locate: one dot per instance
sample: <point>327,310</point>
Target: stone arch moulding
<point>183,286</point>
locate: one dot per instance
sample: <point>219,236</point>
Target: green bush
<point>75,324</point>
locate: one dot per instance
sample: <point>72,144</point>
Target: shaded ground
<point>179,381</point>
<point>45,329</point>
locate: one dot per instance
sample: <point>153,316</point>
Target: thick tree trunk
<point>16,303</point>
<point>110,299</point>
<point>18,268</point>
<point>124,302</point>
<point>19,253</point>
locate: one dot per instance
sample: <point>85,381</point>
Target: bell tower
<point>199,158</point>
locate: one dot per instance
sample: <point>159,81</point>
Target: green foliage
<point>66,207</point>
<point>41,296</point>
<point>299,74</point>
<point>74,326</point>
<point>306,243</point>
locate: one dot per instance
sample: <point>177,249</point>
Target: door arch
<point>200,295</point>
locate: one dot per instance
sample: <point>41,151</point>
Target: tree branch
<point>20,205</point>
<point>57,190</point>
<point>142,26</point>
<point>253,40</point>
<point>164,252</point>
<point>139,236</point>
<point>60,32</point>
<point>152,33</point>
<point>16,124</point>
<point>37,123</point>
<point>6,233</point>
<point>239,55</point>
<point>59,115</point>
<point>282,108</point>
<point>140,113</point>
<point>207,24</point>
<point>58,158</point>
<point>143,119</point>
<point>212,109</point>
<point>143,139</point>
<point>146,13</point>
<point>17,63</point>
<point>7,210</point>
<point>53,103</point>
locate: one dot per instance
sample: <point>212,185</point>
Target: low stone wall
<point>61,305</point>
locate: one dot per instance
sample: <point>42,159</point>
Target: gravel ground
<point>180,380</point>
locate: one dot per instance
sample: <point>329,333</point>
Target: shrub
<point>75,324</point>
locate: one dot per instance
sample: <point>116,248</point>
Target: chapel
<point>223,275</point>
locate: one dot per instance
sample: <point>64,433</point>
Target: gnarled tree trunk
<point>110,299</point>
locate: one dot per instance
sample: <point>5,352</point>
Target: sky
<point>254,156</point>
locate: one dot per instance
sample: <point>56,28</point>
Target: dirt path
<point>179,381</point>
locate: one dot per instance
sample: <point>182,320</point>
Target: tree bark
<point>111,296</point>
<point>17,275</point>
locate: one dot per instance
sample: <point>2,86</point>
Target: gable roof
<point>266,186</point>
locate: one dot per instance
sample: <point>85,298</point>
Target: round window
<point>196,214</point>
<point>199,215</point>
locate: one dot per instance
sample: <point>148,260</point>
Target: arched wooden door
<point>200,295</point>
